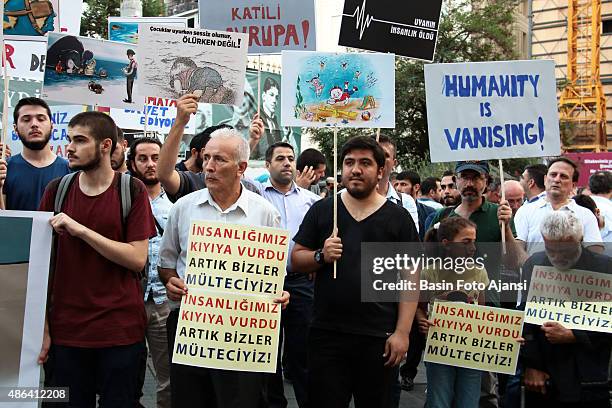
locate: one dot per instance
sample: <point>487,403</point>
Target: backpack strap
<point>62,190</point>
<point>125,196</point>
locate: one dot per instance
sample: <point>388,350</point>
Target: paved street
<point>412,399</point>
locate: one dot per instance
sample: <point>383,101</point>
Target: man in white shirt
<point>559,182</point>
<point>600,184</point>
<point>532,181</point>
<point>224,200</point>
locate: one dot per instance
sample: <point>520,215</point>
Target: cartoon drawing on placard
<point>346,90</point>
<point>209,64</point>
<point>28,17</point>
<point>125,29</point>
<point>83,69</point>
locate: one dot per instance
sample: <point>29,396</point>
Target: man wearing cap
<point>488,217</point>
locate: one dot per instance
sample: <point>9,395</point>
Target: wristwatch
<point>318,256</point>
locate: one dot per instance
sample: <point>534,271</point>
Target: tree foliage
<point>467,33</point>
<point>94,22</point>
<point>153,8</point>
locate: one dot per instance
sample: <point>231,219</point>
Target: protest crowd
<point>119,271</point>
<point>237,268</point>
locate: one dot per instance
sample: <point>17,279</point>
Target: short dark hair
<point>565,160</point>
<point>364,143</point>
<point>411,176</point>
<point>30,101</point>
<point>270,149</point>
<point>586,202</point>
<point>384,139</point>
<point>310,157</point>
<point>141,140</point>
<point>130,52</point>
<point>450,173</point>
<point>493,183</point>
<point>600,182</point>
<point>537,172</point>
<point>270,83</point>
<point>430,183</point>
<point>101,126</point>
<point>120,137</point>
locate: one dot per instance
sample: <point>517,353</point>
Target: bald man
<point>514,194</point>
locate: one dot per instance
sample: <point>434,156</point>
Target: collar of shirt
<point>484,207</point>
<point>295,189</point>
<point>160,196</point>
<point>537,198</point>
<point>242,202</point>
<point>570,205</point>
<point>392,194</point>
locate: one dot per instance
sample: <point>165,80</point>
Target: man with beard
<point>354,347</point>
<point>29,173</point>
<point>143,156</point>
<point>565,368</point>
<point>118,157</point>
<point>196,152</point>
<point>292,202</point>
<point>448,184</point>
<point>96,316</point>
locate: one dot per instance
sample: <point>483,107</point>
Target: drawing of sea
<point>344,90</point>
<point>88,71</point>
<point>170,67</point>
<point>123,32</point>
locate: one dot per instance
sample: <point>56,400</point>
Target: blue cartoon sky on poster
<point>345,90</point>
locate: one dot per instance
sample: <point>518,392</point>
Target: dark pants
<point>130,86</point>
<point>343,365</point>
<point>111,372</point>
<point>537,400</point>
<point>294,330</point>
<point>207,387</point>
<point>415,352</point>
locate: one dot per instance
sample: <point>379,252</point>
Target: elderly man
<point>563,367</point>
<point>515,195</point>
<point>224,199</point>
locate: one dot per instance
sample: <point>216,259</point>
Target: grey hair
<point>560,225</point>
<point>228,134</point>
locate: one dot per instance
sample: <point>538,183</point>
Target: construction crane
<point>582,102</point>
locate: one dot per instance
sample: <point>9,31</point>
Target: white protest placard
<point>158,118</point>
<point>125,29</point>
<point>492,110</point>
<point>272,26</point>
<point>175,61</point>
<point>25,58</point>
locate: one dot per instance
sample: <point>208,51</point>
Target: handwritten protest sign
<point>229,320</point>
<point>477,337</point>
<point>577,299</point>
<point>272,26</point>
<point>492,110</point>
<point>209,64</point>
<point>404,28</point>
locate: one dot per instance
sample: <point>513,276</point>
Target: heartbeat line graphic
<point>364,20</point>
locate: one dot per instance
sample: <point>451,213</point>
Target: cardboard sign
<point>492,110</point>
<point>271,26</point>
<point>25,58</point>
<point>229,320</point>
<point>590,163</point>
<point>125,29</point>
<point>343,90</point>
<point>210,64</point>
<point>407,28</point>
<point>576,299</point>
<point>40,17</point>
<point>476,337</point>
<point>24,269</point>
<point>98,72</point>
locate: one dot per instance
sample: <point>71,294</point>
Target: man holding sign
<point>224,199</point>
<point>563,367</point>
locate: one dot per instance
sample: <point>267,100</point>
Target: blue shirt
<point>160,206</point>
<point>292,207</point>
<point>25,184</point>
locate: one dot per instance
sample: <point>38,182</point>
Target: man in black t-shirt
<point>354,347</point>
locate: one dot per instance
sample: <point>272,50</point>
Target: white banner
<point>492,110</point>
<point>158,119</point>
<point>26,58</point>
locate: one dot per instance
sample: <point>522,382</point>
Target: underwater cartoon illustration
<point>344,90</point>
<point>28,17</point>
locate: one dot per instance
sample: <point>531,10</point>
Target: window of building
<point>607,27</point>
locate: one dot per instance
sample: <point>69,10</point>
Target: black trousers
<point>111,372</point>
<point>415,352</point>
<point>211,388</point>
<point>344,365</point>
<point>537,400</point>
<point>130,86</point>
